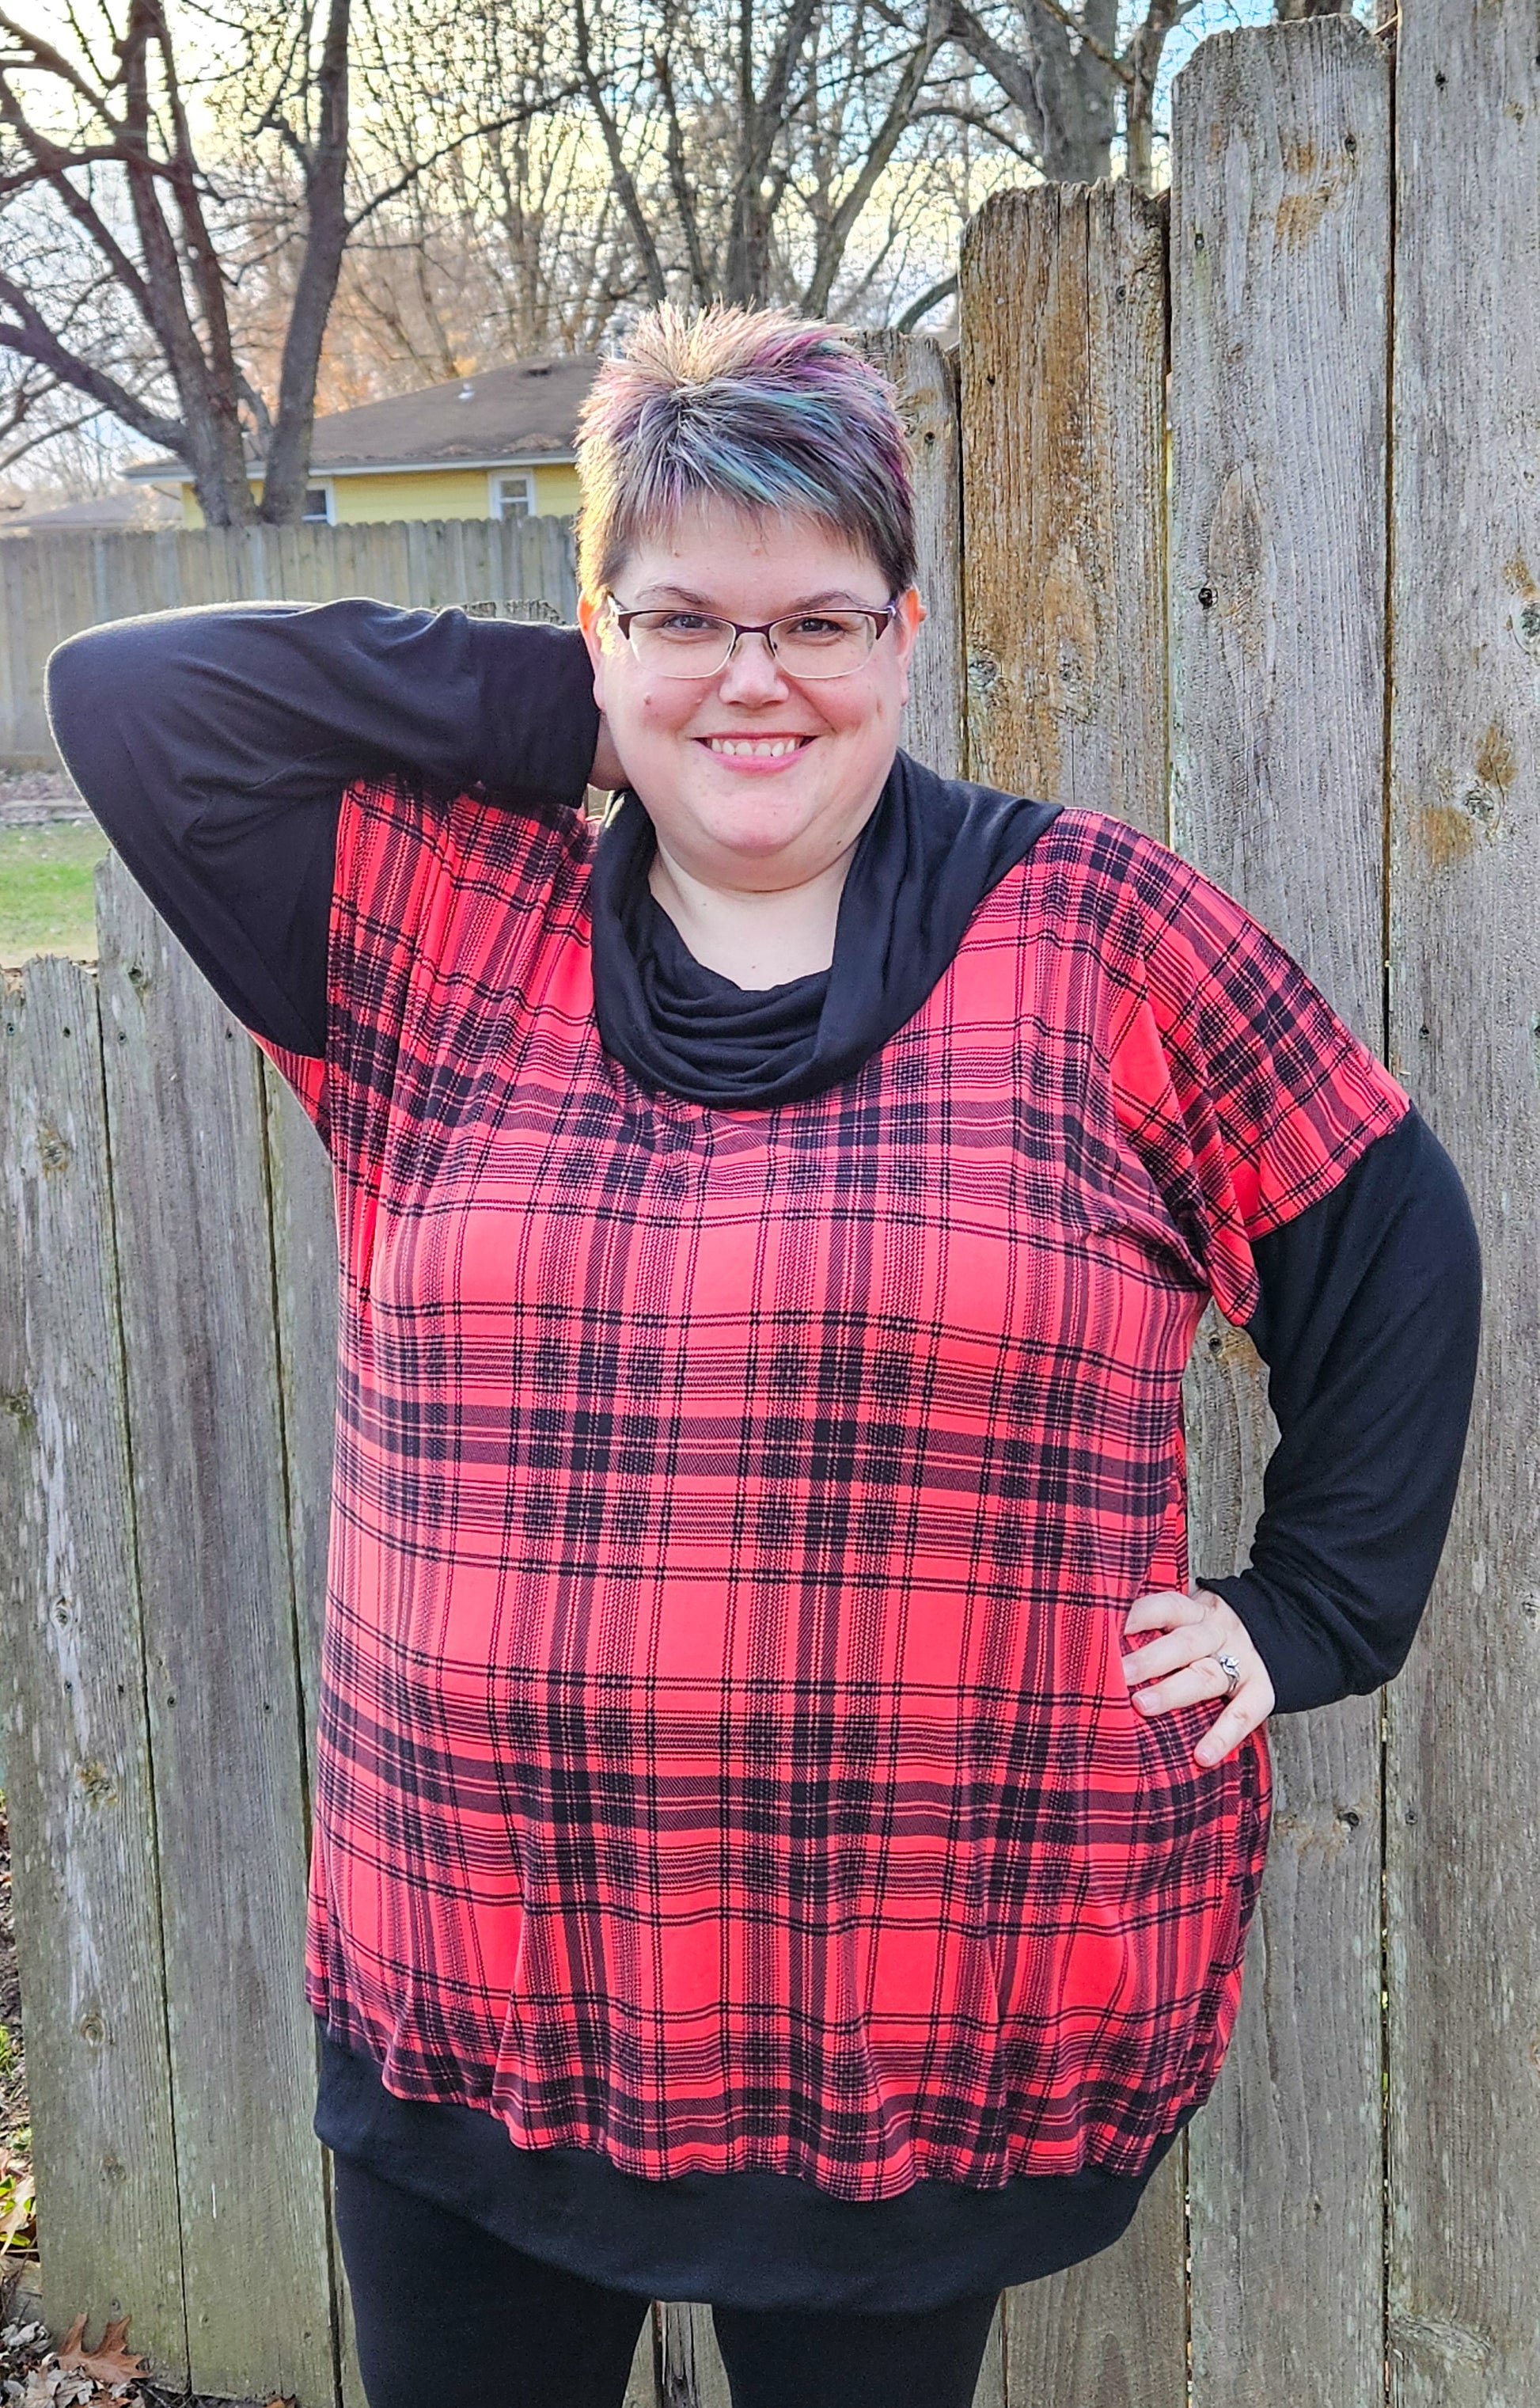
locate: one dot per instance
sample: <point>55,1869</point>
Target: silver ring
<point>1232,1671</point>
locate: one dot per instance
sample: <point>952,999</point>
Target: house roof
<point>104,513</point>
<point>525,411</point>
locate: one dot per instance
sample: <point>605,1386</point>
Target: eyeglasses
<point>682,643</point>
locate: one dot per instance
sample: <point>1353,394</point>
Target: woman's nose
<point>753,672</point>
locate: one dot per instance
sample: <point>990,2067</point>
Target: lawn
<point>46,900</point>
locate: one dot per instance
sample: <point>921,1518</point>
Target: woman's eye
<point>684,623</point>
<point>814,624</point>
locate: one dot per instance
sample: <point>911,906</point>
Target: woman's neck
<point>755,939</point>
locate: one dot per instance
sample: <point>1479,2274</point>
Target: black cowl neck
<point>930,853</point>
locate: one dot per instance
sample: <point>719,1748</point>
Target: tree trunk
<point>288,466</point>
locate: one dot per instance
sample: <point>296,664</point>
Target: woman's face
<point>752,781</point>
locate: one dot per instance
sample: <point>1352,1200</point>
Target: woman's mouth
<point>755,751</point>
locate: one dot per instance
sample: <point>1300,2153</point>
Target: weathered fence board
<point>690,2363</point>
<point>184,1107</point>
<point>1280,254</point>
<point>1062,368</point>
<point>305,1290</point>
<point>1463,1868</point>
<point>53,585</point>
<point>84,1873</point>
<point>926,383</point>
<point>1062,360</point>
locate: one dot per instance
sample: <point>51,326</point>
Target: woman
<point>786,1828</point>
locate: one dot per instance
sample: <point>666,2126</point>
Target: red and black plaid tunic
<point>724,1759</point>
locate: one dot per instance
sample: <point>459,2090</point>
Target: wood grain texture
<point>184,1106</point>
<point>1463,1876</point>
<point>641,2389</point>
<point>1280,249</point>
<point>1111,2333</point>
<point>1281,258</point>
<point>80,1802</point>
<point>926,383</point>
<point>691,2372</point>
<point>305,1289</point>
<point>1063,312</point>
<point>1063,316</point>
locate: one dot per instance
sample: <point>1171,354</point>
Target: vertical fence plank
<point>1280,234</point>
<point>641,2389</point>
<point>184,1099</point>
<point>305,1260</point>
<point>82,1816</point>
<point>1462,1892</point>
<point>1063,312</point>
<point>926,383</point>
<point>693,2375</point>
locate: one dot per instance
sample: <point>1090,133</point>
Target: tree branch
<point>684,198</point>
<point>546,106</point>
<point>287,461</point>
<point>926,303</point>
<point>834,240</point>
<point>625,187</point>
<point>31,339</point>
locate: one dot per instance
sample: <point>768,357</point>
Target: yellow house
<point>495,445</point>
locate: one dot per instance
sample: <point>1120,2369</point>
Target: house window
<point>512,497</point>
<point>318,505</point>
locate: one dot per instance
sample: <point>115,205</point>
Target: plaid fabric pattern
<point>724,1760</point>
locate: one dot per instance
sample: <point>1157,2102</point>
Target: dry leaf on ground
<point>108,2363</point>
<point>49,2386</point>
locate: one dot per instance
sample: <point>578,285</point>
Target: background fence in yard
<point>1310,656</point>
<point>53,585</point>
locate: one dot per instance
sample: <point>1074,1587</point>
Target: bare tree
<point>101,175</point>
<point>554,169</point>
<point>1083,78</point>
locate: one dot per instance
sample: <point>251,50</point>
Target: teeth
<point>761,748</point>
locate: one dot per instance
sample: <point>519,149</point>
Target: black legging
<point>448,2315</point>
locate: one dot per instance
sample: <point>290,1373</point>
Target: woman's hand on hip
<point>1179,1669</point>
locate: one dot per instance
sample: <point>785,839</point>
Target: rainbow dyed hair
<point>754,407</point>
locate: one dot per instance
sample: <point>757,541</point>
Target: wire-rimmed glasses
<point>683,643</point>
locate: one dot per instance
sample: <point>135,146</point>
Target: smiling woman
<point>758,781</point>
<point>753,1861</point>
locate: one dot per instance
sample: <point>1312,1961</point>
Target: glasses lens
<point>823,643</point>
<point>813,644</point>
<point>680,643</point>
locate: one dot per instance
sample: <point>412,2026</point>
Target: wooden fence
<point>53,585</point>
<point>1251,495</point>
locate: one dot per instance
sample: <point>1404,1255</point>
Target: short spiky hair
<point>756,406</point>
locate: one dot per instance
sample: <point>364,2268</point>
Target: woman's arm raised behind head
<point>214,746</point>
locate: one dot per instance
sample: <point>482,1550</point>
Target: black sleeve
<point>214,746</point>
<point>1369,1323</point>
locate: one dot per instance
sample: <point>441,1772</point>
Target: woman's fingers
<point>1178,1667</point>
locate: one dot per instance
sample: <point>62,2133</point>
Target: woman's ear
<point>589,608</point>
<point>907,620</point>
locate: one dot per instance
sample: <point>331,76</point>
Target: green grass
<point>46,895</point>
